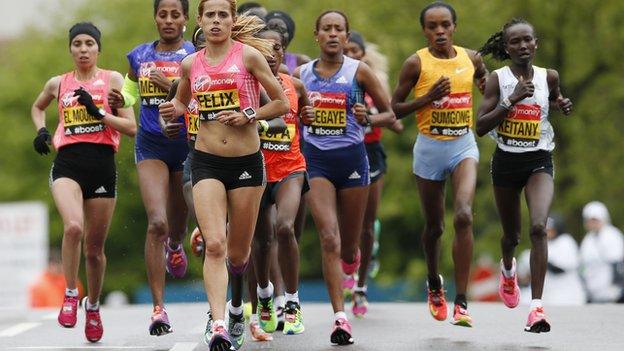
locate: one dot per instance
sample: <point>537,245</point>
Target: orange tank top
<point>282,155</point>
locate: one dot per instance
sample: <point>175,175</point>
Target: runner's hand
<point>359,112</point>
<point>565,105</point>
<point>440,89</point>
<point>167,110</point>
<point>159,79</point>
<point>307,115</point>
<point>232,118</point>
<point>523,89</point>
<point>115,99</point>
<point>170,129</point>
<point>85,99</point>
<point>41,142</point>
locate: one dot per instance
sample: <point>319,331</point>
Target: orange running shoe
<point>437,302</point>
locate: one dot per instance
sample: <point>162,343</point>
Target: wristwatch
<point>506,103</point>
<point>250,113</point>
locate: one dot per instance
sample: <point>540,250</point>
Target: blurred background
<point>582,40</point>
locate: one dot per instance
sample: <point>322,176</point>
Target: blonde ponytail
<point>378,62</point>
<point>244,30</point>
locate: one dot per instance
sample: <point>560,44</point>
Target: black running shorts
<point>233,172</point>
<point>92,166</point>
<point>512,170</point>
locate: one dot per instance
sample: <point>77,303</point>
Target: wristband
<point>130,92</point>
<point>264,126</point>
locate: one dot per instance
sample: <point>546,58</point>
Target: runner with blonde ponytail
<point>227,167</point>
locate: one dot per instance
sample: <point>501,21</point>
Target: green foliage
<point>582,40</point>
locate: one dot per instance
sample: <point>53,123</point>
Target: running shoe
<point>247,310</point>
<point>341,335</point>
<point>197,243</point>
<point>235,328</point>
<point>348,283</point>
<point>437,302</point>
<point>219,339</point>
<point>293,320</point>
<point>208,331</point>
<point>537,321</point>
<point>373,268</point>
<point>176,260</point>
<point>461,317</point>
<point>160,322</point>
<point>360,304</point>
<point>279,310</point>
<point>257,334</point>
<point>93,323</point>
<point>508,289</point>
<point>69,309</point>
<point>267,315</point>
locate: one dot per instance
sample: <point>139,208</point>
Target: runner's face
<point>280,26</point>
<point>216,21</point>
<point>354,51</point>
<point>278,50</point>
<point>170,20</point>
<point>439,28</point>
<point>332,34</point>
<point>84,50</point>
<point>520,43</point>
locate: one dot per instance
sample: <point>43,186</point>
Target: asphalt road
<point>388,326</point>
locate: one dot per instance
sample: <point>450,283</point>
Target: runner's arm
<point>490,113</point>
<point>49,92</point>
<point>124,120</point>
<point>372,86</point>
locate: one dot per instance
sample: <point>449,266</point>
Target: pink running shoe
<point>341,335</point>
<point>176,261</point>
<point>537,322</point>
<point>67,315</point>
<point>257,333</point>
<point>348,283</point>
<point>160,322</point>
<point>360,304</point>
<point>93,325</point>
<point>508,289</point>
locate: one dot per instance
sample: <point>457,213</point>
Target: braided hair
<point>495,45</point>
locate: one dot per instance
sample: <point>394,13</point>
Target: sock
<point>235,310</point>
<point>265,293</point>
<point>280,300</point>
<point>92,307</point>
<point>340,314</point>
<point>217,323</point>
<point>509,273</point>
<point>460,299</point>
<point>71,292</point>
<point>292,297</point>
<point>435,283</point>
<point>535,303</point>
<point>361,289</point>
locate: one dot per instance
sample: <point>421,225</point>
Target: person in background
<point>602,251</point>
<point>281,22</point>
<point>563,284</point>
<point>49,288</point>
<point>253,9</point>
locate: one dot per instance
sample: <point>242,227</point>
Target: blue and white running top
<point>333,98</point>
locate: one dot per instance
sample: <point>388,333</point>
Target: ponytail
<point>244,30</point>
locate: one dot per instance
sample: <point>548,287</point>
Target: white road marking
<point>17,329</point>
<point>82,347</point>
<point>50,317</point>
<point>184,346</point>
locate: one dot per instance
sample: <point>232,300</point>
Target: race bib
<point>330,114</point>
<point>278,141</point>
<point>451,115</point>
<point>215,93</point>
<point>192,122</point>
<point>151,94</point>
<point>76,120</point>
<point>521,128</point>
